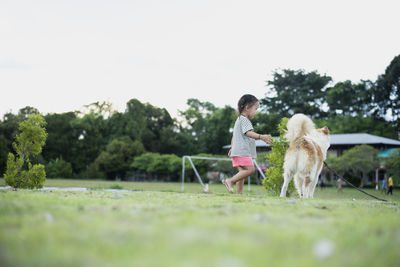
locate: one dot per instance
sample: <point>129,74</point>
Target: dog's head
<point>324,130</point>
<point>324,137</point>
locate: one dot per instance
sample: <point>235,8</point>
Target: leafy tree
<point>387,92</point>
<point>161,126</point>
<point>394,161</point>
<point>90,134</point>
<point>187,145</point>
<point>169,141</point>
<point>206,127</point>
<point>20,173</point>
<point>339,164</point>
<point>295,91</point>
<point>93,172</point>
<point>135,117</point>
<point>62,139</point>
<point>153,126</point>
<point>195,123</point>
<point>9,128</point>
<point>145,163</point>
<point>27,111</point>
<point>346,98</point>
<point>104,109</point>
<point>8,131</point>
<point>59,168</point>
<point>9,125</point>
<point>3,153</point>
<point>116,159</point>
<point>167,165</point>
<point>267,123</point>
<point>117,126</point>
<point>218,132</point>
<point>360,159</point>
<point>157,165</point>
<point>274,174</point>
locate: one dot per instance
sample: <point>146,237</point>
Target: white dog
<point>305,156</point>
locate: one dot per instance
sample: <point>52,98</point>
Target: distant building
<point>343,142</point>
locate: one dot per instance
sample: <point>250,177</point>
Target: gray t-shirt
<point>243,145</point>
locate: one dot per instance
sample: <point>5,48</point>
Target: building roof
<point>361,138</point>
<point>348,139</point>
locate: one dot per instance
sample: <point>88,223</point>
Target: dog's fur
<point>305,156</point>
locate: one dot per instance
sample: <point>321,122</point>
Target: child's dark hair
<point>246,101</point>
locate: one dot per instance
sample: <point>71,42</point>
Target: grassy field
<point>155,224</point>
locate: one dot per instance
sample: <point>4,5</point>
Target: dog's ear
<point>325,130</point>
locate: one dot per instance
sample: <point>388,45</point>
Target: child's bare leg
<point>239,187</point>
<point>244,172</point>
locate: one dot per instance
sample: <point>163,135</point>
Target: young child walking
<point>243,146</point>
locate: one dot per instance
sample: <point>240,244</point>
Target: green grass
<point>157,225</point>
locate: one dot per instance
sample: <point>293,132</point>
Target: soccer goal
<point>205,188</point>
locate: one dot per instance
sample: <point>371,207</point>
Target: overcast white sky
<point>60,55</point>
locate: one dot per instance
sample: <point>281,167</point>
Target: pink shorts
<point>242,161</point>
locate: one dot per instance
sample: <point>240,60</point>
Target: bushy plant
<point>116,159</point>
<point>20,173</point>
<point>92,172</point>
<point>59,168</point>
<point>156,164</point>
<point>274,174</point>
<point>357,162</point>
<point>204,165</point>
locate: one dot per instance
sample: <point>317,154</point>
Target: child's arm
<point>230,149</point>
<point>265,137</point>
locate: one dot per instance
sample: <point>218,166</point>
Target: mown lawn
<point>157,225</point>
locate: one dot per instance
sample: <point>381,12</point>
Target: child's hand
<point>266,138</point>
<point>229,153</point>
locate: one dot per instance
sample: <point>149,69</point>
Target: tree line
<point>103,143</point>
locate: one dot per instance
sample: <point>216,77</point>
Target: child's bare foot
<point>228,185</point>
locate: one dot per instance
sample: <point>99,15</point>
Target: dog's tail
<point>298,126</point>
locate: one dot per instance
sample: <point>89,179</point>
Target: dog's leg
<point>312,186</point>
<point>298,182</point>
<point>287,177</point>
<point>305,191</point>
<point>307,186</point>
<point>314,183</point>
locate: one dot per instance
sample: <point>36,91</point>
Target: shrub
<point>116,159</point>
<point>59,168</point>
<point>92,172</point>
<point>20,173</point>
<point>116,186</point>
<point>274,174</point>
<point>167,165</point>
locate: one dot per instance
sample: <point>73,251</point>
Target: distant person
<point>339,185</point>
<point>390,183</point>
<point>322,185</point>
<point>243,146</point>
<point>384,186</point>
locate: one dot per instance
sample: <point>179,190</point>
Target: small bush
<point>155,164</point>
<point>59,168</point>
<point>274,174</point>
<point>20,173</point>
<point>116,186</point>
<point>92,172</point>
